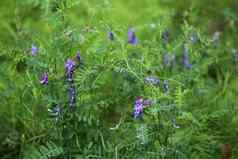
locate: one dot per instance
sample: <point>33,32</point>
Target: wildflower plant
<point>72,88</point>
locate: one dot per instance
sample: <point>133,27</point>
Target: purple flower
<point>110,35</point>
<point>186,62</point>
<point>44,79</point>
<point>166,86</point>
<point>132,37</point>
<point>138,107</point>
<point>72,96</point>
<point>55,111</point>
<point>34,49</point>
<point>78,56</point>
<point>152,80</point>
<point>140,104</point>
<point>70,65</point>
<point>165,36</point>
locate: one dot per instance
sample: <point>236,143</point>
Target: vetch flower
<point>70,65</point>
<point>152,80</point>
<point>138,107</point>
<point>79,60</point>
<point>55,111</point>
<point>44,79</point>
<point>165,36</point>
<point>78,56</point>
<point>166,86</point>
<point>72,95</point>
<point>186,62</point>
<point>132,37</point>
<point>34,49</point>
<point>110,35</point>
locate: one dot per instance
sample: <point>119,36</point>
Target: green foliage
<point>50,150</point>
<point>192,119</point>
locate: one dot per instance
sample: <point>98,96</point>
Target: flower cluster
<point>138,108</point>
<point>44,79</point>
<point>70,67</point>
<point>34,49</point>
<point>72,95</point>
<point>165,36</point>
<point>132,37</point>
<point>152,80</point>
<point>140,103</point>
<point>78,56</point>
<point>110,35</point>
<point>56,112</point>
